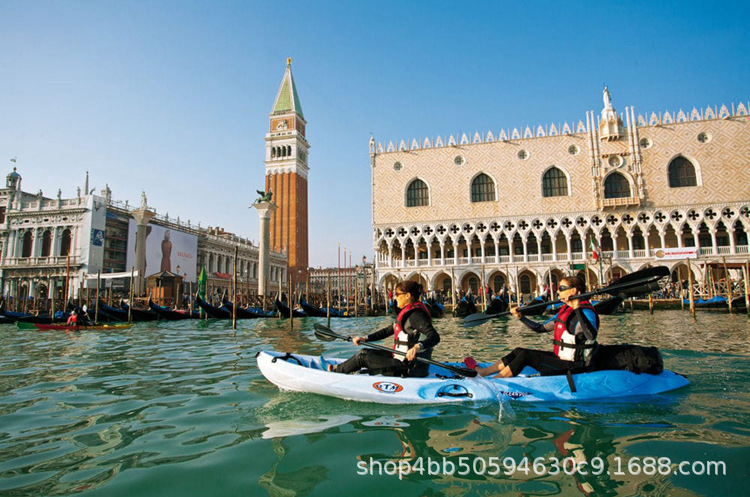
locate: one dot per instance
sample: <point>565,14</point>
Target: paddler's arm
<point>530,323</point>
<point>374,336</point>
<point>585,325</point>
<point>422,324</point>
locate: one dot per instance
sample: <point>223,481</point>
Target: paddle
<point>328,335</point>
<point>632,284</point>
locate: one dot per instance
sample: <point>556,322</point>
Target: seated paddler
<point>413,335</point>
<point>574,339</point>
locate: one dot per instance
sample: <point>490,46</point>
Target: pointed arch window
<point>554,183</point>
<point>417,194</point>
<point>681,173</point>
<point>616,186</point>
<point>482,189</point>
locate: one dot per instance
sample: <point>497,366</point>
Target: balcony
<point>41,262</point>
<point>620,202</point>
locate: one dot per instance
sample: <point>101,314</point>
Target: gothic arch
<point>609,180</point>
<point>548,190</point>
<point>478,196</point>
<point>693,162</point>
<point>418,197</point>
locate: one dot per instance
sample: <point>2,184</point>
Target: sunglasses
<point>562,288</point>
<point>398,294</point>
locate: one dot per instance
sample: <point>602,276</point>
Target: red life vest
<point>400,337</point>
<point>565,342</point>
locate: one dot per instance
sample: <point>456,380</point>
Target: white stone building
<point>524,207</point>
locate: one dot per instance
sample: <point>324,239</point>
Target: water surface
<point>180,408</point>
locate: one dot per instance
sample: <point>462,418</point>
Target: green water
<point>181,409</point>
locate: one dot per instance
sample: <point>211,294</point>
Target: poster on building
<point>166,250</point>
<point>676,253</point>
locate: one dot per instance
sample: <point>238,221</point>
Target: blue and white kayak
<point>304,373</point>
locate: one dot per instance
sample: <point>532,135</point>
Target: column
<point>265,209</point>
<point>442,252</point>
<point>141,217</point>
<point>553,239</point>
<point>631,255</point>
<point>525,249</point>
<point>484,256</point>
<point>714,248</point>
<point>403,255</point>
<point>497,251</point>
<point>429,252</point>
<point>569,243</point>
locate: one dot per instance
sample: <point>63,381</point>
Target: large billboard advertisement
<point>166,250</point>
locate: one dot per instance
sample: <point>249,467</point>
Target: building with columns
<point>528,206</point>
<point>286,176</point>
<point>48,242</point>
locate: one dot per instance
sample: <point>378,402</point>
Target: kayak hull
<point>67,327</point>
<point>303,373</point>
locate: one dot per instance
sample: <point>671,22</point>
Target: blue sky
<point>172,97</point>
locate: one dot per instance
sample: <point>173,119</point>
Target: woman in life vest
<point>413,334</point>
<point>575,327</point>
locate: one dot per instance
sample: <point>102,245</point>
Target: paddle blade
<point>480,318</point>
<point>645,273</point>
<point>324,337</point>
<point>328,335</point>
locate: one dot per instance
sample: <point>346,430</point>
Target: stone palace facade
<point>525,207</point>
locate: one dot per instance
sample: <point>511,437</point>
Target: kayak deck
<point>302,373</point>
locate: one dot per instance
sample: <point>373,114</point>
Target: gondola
<point>213,311</point>
<point>719,302</point>
<point>115,313</point>
<point>248,313</point>
<point>464,308</point>
<point>321,312</point>
<point>139,314</point>
<point>537,311</point>
<point>170,314</point>
<point>284,310</point>
<point>497,305</point>
<point>437,310</point>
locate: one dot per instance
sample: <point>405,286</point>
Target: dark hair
<point>575,282</point>
<point>412,287</point>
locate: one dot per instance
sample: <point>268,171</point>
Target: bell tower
<point>286,176</point>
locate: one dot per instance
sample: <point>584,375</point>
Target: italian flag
<point>594,251</point>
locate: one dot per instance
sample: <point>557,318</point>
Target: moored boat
<point>171,314</point>
<point>437,310</point>
<point>464,308</point>
<point>285,312</point>
<point>321,312</point>
<point>247,312</point>
<point>139,314</point>
<point>213,311</point>
<point>304,373</point>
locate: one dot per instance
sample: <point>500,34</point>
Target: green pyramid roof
<point>287,100</point>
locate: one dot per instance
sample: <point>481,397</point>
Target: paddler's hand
<point>412,352</point>
<point>357,340</point>
<point>515,312</point>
